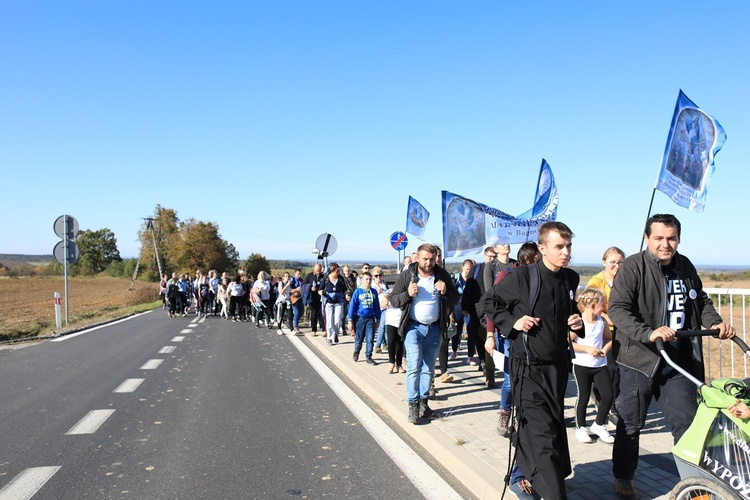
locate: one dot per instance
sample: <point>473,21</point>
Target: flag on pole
<point>416,218</point>
<point>688,162</point>
<point>469,226</point>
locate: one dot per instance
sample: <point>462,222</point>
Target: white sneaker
<point>582,434</point>
<point>603,433</point>
<point>279,332</point>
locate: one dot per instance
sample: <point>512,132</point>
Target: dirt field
<point>27,304</point>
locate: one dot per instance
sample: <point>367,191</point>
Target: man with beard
<point>425,293</point>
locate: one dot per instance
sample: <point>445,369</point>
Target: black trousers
<point>395,345</point>
<point>587,377</point>
<point>316,317</point>
<point>678,400</point>
<point>454,342</point>
<point>543,455</point>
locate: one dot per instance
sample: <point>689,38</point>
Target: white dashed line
<point>167,349</point>
<point>91,422</point>
<point>152,364</point>
<point>186,330</point>
<point>27,483</point>
<point>130,385</point>
<point>178,338</point>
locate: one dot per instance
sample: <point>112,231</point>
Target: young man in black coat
<point>536,305</point>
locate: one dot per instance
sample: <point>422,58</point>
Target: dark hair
<point>560,228</point>
<point>666,219</point>
<point>427,247</point>
<point>528,253</point>
<point>366,273</point>
<point>298,269</point>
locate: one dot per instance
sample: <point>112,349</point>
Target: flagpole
<point>650,205</point>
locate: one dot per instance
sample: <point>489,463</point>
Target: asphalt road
<point>227,411</point>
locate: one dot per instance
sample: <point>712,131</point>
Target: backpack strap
<point>534,279</point>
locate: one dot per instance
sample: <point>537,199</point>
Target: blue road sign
<point>399,241</point>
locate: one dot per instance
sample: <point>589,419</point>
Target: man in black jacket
<point>535,306</point>
<point>655,293</point>
<point>425,293</point>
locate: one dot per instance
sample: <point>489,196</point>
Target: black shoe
<point>336,339</point>
<point>355,356</point>
<point>370,361</point>
<point>414,412</point>
<point>433,393</point>
<point>424,409</point>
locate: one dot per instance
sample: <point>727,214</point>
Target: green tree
<point>98,249</point>
<point>165,226</point>
<point>198,245</point>
<point>255,264</point>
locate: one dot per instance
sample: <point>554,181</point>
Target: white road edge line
<point>129,385</point>
<point>90,423</point>
<point>167,349</point>
<point>27,483</point>
<point>178,338</point>
<point>186,330</point>
<point>424,477</point>
<point>72,335</point>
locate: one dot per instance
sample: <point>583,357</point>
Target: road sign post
<point>66,251</point>
<point>399,242</point>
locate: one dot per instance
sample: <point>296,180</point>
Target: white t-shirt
<point>425,306</point>
<point>594,338</point>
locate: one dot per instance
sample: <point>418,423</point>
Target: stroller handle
<point>703,333</point>
<point>695,333</point>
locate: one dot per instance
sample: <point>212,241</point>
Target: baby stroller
<point>713,456</point>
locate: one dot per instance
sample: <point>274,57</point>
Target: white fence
<point>725,359</point>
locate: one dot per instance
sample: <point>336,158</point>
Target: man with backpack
<point>426,295</point>
<point>535,306</point>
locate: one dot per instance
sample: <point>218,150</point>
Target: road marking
<point>130,385</point>
<point>167,349</point>
<point>152,364</point>
<point>91,422</point>
<point>178,338</point>
<point>186,330</point>
<point>424,478</point>
<point>72,335</point>
<point>27,483</point>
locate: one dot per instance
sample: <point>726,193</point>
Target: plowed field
<point>27,304</point>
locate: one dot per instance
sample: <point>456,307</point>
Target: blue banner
<point>688,162</point>
<point>416,218</point>
<point>469,226</point>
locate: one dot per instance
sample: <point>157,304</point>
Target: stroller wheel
<point>699,488</point>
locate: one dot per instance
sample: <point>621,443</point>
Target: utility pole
<point>149,227</point>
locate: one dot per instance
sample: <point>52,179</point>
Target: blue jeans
<point>381,331</point>
<point>421,343</point>
<point>364,330</point>
<point>506,395</point>
<point>298,309</point>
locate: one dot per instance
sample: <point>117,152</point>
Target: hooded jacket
<point>399,296</point>
<point>638,306</point>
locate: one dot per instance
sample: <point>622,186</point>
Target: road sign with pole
<point>399,242</point>
<point>66,252</point>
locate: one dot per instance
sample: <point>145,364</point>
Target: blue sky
<point>280,121</point>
